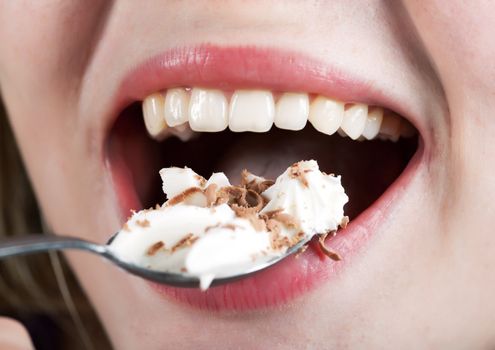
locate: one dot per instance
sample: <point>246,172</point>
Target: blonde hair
<point>40,284</point>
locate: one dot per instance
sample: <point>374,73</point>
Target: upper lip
<point>230,68</point>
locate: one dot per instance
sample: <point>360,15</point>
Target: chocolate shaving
<point>273,226</point>
<point>239,197</point>
<point>155,248</point>
<point>275,219</point>
<point>143,223</point>
<point>245,200</point>
<point>281,242</point>
<point>231,195</point>
<point>264,185</point>
<point>211,194</point>
<point>272,213</point>
<point>244,177</point>
<point>277,241</point>
<point>185,195</point>
<point>208,228</point>
<point>259,187</point>
<point>254,200</point>
<point>295,172</point>
<point>242,212</point>
<point>251,215</point>
<point>231,227</point>
<point>254,185</point>
<point>222,197</point>
<point>201,179</point>
<point>287,220</point>
<point>328,252</point>
<point>186,241</point>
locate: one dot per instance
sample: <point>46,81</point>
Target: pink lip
<point>244,67</point>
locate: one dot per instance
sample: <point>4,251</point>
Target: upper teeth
<point>153,110</point>
<point>373,123</point>
<point>251,110</point>
<point>355,120</point>
<point>176,107</point>
<point>292,111</point>
<point>209,110</point>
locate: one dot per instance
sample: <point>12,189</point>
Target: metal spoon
<point>36,243</point>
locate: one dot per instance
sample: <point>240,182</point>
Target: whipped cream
<point>210,229</point>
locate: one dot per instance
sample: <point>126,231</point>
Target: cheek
<point>44,47</point>
<point>459,37</point>
<point>34,82</point>
<point>46,44</point>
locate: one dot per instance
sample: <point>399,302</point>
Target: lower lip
<point>295,276</point>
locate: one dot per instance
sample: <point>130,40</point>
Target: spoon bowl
<point>39,243</point>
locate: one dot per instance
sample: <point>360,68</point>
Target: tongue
<point>367,168</point>
<point>262,156</point>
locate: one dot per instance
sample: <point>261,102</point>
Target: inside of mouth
<point>368,168</point>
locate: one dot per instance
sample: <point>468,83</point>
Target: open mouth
<point>261,118</point>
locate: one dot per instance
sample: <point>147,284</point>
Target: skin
<point>425,280</point>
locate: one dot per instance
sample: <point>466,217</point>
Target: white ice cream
<point>319,205</point>
<point>189,235</point>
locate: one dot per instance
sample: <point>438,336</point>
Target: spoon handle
<point>37,243</point>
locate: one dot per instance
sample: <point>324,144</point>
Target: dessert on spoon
<point>210,232</point>
<point>209,229</point>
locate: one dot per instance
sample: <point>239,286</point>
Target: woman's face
<point>416,266</point>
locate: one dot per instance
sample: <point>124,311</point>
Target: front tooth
<point>153,113</point>
<point>251,110</point>
<point>390,126</point>
<point>176,105</point>
<point>207,110</point>
<point>326,115</point>
<point>292,111</point>
<point>354,120</point>
<point>373,123</point>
